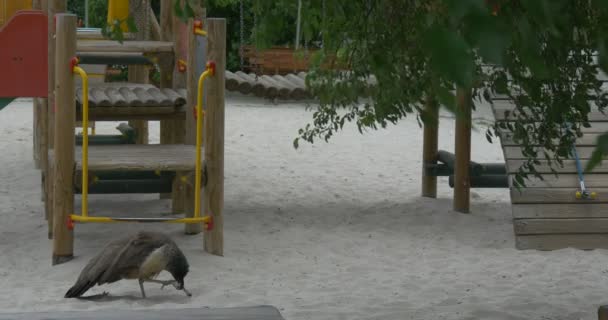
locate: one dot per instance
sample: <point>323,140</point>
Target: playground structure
<point>190,156</point>
<point>548,214</point>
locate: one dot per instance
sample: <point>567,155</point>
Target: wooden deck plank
<point>515,152</point>
<point>569,166</point>
<point>596,127</point>
<point>137,157</point>
<point>555,195</point>
<point>561,241</point>
<point>234,313</point>
<point>126,46</point>
<point>586,209</point>
<point>587,140</point>
<point>503,110</point>
<point>567,180</point>
<point>560,226</point>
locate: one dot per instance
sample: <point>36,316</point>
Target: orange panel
<point>23,58</point>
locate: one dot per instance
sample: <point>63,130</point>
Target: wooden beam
<point>36,5</point>
<point>462,150</point>
<point>569,166</point>
<point>213,199</point>
<point>154,25</point>
<point>587,140</point>
<point>560,226</point>
<point>602,313</point>
<point>65,122</point>
<point>429,147</point>
<point>561,241</point>
<point>555,195</point>
<point>127,46</point>
<point>505,110</point>
<point>566,180</point>
<point>48,140</point>
<point>583,209</point>
<point>515,152</point>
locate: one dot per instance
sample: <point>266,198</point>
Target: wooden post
<point>602,312</point>
<point>429,147</point>
<point>36,5</point>
<point>213,196</point>
<point>190,134</point>
<point>462,150</point>
<point>65,123</point>
<point>139,74</point>
<point>47,141</point>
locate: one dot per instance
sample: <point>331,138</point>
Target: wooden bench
<point>546,214</point>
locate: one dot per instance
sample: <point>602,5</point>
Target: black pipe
<point>485,181</point>
<point>129,186</point>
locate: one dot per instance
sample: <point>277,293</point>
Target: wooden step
<point>137,157</point>
<point>125,46</point>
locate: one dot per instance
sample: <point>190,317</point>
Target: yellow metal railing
<point>196,217</point>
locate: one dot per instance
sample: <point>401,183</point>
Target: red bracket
<point>209,224</point>
<point>70,223</point>
<point>198,24</point>
<point>211,66</point>
<point>73,62</point>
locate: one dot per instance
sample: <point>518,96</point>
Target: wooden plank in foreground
<point>241,313</point>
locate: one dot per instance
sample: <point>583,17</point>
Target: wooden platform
<point>137,157</point>
<point>239,313</point>
<point>126,46</point>
<point>546,214</point>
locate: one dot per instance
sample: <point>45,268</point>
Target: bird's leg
<point>163,282</point>
<point>141,286</point>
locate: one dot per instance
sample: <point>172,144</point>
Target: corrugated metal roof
<point>118,94</point>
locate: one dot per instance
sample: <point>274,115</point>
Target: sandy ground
<point>329,231</point>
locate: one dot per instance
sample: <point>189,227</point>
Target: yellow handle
<point>85,139</point>
<point>210,70</point>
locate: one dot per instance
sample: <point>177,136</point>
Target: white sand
<point>330,231</point>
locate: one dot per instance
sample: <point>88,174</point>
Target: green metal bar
<point>5,102</point>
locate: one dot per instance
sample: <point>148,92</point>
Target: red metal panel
<point>23,55</point>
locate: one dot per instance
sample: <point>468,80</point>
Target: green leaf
<point>188,12</point>
<point>131,25</point>
<point>178,11</point>
<point>450,55</point>
<point>601,150</point>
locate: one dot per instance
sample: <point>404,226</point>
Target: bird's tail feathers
<point>78,289</point>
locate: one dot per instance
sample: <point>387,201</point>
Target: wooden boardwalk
<point>546,214</point>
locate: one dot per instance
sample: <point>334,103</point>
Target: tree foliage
<point>541,54</point>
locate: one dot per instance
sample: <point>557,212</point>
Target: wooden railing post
<point>65,123</point>
<point>48,113</point>
<point>462,150</point>
<point>213,195</point>
<point>429,147</point>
